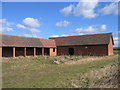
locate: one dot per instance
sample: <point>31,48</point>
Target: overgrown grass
<point>116,52</point>
<point>106,77</point>
<point>41,72</point>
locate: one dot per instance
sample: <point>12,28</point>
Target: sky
<point>56,19</point>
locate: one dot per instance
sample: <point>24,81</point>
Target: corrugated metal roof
<point>92,39</point>
<point>18,41</point>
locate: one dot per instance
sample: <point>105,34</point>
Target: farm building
<point>13,46</point>
<point>93,44</point>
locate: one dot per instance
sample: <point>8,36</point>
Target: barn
<point>13,46</point>
<point>93,45</point>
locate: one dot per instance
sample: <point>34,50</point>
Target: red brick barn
<point>12,46</point>
<point>94,44</point>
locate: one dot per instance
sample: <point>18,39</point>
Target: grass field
<point>53,72</point>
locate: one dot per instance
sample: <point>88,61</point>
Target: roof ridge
<point>24,37</point>
<point>80,35</point>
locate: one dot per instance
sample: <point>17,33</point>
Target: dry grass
<point>104,78</point>
<point>90,59</point>
<point>43,72</point>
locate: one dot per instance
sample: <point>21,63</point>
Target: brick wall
<point>84,50</point>
<point>110,47</point>
<point>53,52</point>
<point>63,50</point>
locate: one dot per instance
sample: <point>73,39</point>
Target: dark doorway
<point>38,51</point>
<point>19,51</point>
<point>29,51</point>
<point>46,51</point>
<point>71,51</point>
<point>7,52</point>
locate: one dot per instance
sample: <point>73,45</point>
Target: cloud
<point>81,34</point>
<point>6,29</point>
<point>62,23</point>
<point>116,41</point>
<point>30,24</point>
<point>67,10</point>
<point>54,36</point>
<point>115,38</point>
<point>5,22</point>
<point>5,26</point>
<point>91,29</point>
<point>86,8</point>
<point>21,26</point>
<point>116,34</point>
<point>64,35</point>
<point>33,30</point>
<point>30,35</point>
<point>110,9</point>
<point>103,27</point>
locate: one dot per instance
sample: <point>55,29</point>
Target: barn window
<point>53,49</point>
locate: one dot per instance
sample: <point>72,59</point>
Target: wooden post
<point>34,51</point>
<point>0,51</point>
<point>25,52</point>
<point>13,51</point>
<point>42,51</point>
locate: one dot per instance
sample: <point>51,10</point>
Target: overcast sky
<point>53,19</point>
